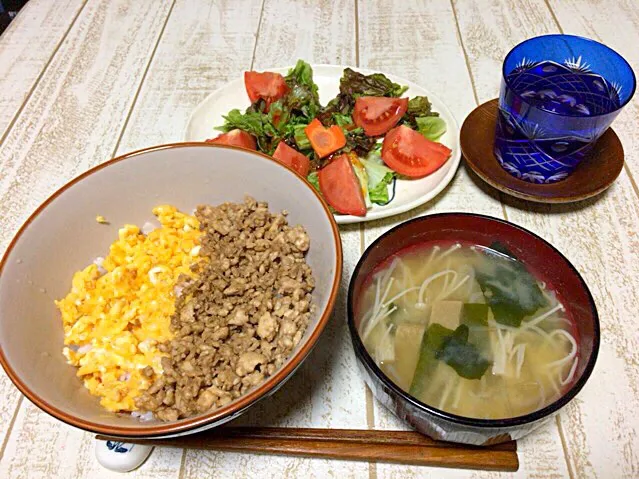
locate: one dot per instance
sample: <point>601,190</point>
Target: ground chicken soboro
<point>238,320</point>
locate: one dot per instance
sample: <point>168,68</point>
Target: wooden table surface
<point>83,81</point>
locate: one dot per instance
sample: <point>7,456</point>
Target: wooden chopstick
<point>368,436</point>
<point>405,447</point>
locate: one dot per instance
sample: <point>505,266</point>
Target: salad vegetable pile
<point>354,148</point>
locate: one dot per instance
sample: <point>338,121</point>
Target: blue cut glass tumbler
<point>559,94</point>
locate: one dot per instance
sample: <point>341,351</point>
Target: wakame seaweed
<point>452,347</point>
<point>510,290</point>
<point>462,356</point>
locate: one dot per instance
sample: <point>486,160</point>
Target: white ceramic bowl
<point>62,236</point>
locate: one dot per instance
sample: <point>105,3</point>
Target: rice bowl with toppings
<point>36,271</point>
<point>159,330</point>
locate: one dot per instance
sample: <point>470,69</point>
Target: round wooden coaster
<point>594,175</point>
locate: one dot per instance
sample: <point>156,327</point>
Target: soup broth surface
<point>468,330</point>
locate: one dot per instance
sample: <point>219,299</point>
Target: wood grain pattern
<point>65,128</point>
<point>319,32</point>
<point>599,236</point>
<point>205,45</point>
<point>27,46</point>
<point>418,52</point>
<point>366,436</point>
<point>347,444</point>
<point>41,446</point>
<point>71,122</point>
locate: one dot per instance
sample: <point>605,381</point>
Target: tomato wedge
<point>292,158</point>
<point>235,137</point>
<point>378,114</point>
<point>409,153</point>
<point>340,187</point>
<point>324,140</point>
<point>267,85</point>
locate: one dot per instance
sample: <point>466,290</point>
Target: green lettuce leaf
<point>251,122</point>
<point>342,120</point>
<point>299,135</point>
<point>279,116</point>
<point>418,107</point>
<point>379,179</point>
<point>313,179</point>
<point>379,193</point>
<point>302,74</point>
<point>375,156</point>
<point>432,127</point>
<point>302,97</point>
<point>257,124</point>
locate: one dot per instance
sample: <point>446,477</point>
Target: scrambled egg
<point>118,311</point>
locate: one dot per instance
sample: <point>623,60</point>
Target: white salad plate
<point>408,193</point>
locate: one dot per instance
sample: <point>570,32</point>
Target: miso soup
<point>468,330</point>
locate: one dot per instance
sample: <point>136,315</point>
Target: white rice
<point>98,262</point>
<point>148,227</point>
<point>84,349</point>
<point>147,416</point>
